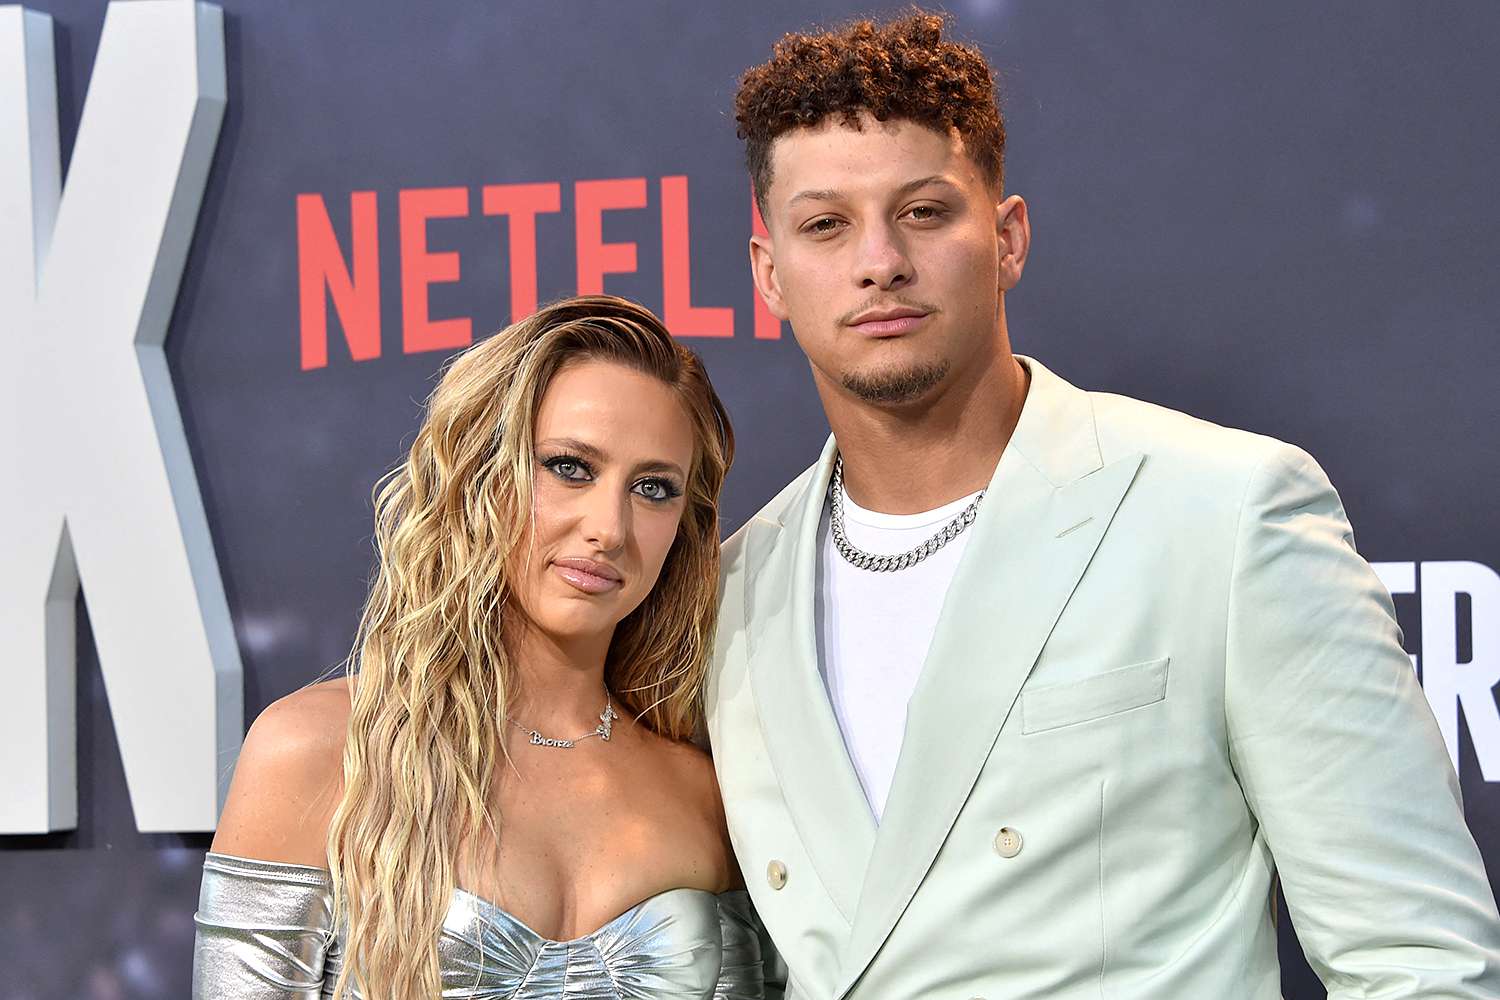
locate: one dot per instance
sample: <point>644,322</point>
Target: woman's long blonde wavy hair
<point>429,674</point>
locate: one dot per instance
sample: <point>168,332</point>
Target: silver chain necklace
<point>861,559</point>
<point>606,725</point>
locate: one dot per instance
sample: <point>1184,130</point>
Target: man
<point>1022,691</point>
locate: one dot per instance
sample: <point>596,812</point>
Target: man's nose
<point>883,262</point>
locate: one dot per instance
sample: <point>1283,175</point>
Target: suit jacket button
<point>1007,842</point>
<point>776,874</point>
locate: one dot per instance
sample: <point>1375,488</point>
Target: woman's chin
<point>568,627</point>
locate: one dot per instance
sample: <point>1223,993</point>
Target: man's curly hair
<point>902,68</point>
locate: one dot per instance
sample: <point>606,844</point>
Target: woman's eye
<point>656,489</point>
<point>567,468</point>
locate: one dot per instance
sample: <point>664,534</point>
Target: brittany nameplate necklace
<point>606,726</point>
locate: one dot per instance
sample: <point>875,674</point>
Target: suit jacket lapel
<point>1046,511</point>
<point>822,792</point>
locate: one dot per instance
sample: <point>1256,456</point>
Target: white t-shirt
<point>874,630</point>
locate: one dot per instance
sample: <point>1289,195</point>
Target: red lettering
<point>321,268</point>
<point>419,269</point>
<point>683,318</point>
<point>767,326</point>
<point>595,257</point>
<point>522,203</point>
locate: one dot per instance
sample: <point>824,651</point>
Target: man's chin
<point>895,386</point>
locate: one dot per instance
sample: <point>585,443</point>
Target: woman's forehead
<point>618,411</point>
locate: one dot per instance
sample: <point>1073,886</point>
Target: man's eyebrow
<point>828,194</point>
<point>921,182</point>
<point>825,194</point>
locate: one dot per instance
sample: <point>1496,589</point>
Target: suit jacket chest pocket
<point>1071,703</point>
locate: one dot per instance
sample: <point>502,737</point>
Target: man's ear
<point>1013,225</point>
<point>763,271</point>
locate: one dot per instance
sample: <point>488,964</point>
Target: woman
<point>500,799</point>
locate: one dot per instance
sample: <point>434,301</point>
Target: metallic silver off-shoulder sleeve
<point>741,975</point>
<point>264,930</point>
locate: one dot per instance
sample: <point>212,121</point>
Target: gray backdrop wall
<point>1279,216</point>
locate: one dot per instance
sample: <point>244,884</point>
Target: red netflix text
<point>342,270</point>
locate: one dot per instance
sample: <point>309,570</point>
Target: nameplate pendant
<point>538,740</point>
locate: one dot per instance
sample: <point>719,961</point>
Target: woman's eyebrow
<point>594,453</point>
<point>581,448</point>
<point>661,465</point>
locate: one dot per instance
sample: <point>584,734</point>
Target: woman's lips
<point>588,576</point>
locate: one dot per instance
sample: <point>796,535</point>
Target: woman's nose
<point>606,520</point>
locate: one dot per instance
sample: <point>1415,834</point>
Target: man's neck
<point>904,460</point>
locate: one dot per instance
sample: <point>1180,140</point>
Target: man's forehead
<point>810,156</point>
<point>864,124</point>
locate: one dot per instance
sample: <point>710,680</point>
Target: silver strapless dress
<point>266,932</point>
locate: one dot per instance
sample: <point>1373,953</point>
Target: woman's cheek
<point>548,512</point>
<point>663,534</point>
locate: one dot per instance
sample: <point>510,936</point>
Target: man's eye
<point>822,227</point>
<point>924,213</point>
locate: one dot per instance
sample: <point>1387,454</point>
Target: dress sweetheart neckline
<point>494,907</point>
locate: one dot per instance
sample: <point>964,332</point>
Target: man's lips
<point>587,575</point>
<point>888,322</point>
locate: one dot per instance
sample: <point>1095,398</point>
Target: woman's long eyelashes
<point>660,490</point>
<point>572,469</point>
<point>569,468</point>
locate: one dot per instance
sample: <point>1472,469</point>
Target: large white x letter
<point>96,482</point>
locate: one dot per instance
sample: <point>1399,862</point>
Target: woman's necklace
<point>606,725</point>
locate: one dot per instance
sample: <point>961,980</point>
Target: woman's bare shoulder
<point>287,780</point>
<point>694,780</point>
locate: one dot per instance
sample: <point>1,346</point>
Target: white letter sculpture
<point>96,482</point>
<point>1471,685</point>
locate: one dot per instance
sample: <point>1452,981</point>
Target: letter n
<point>322,275</point>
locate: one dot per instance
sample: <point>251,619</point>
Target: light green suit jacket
<point>1161,676</point>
